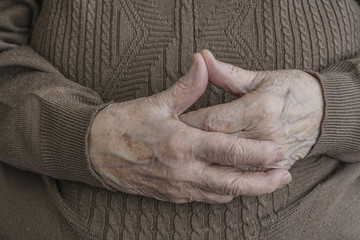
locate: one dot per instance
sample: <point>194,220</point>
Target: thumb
<point>230,78</point>
<point>188,89</point>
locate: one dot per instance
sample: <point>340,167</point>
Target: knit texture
<point>85,54</point>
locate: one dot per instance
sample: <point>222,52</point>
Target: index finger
<point>229,117</point>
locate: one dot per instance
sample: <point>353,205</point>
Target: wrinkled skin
<point>284,106</point>
<point>141,147</point>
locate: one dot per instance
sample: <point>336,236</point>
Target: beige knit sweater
<point>84,53</point>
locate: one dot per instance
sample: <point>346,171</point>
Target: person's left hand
<point>284,106</point>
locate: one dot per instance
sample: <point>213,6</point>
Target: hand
<point>141,147</point>
<point>284,106</point>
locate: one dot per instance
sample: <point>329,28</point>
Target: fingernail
<point>194,61</point>
<point>192,71</point>
<point>279,156</point>
<point>286,179</point>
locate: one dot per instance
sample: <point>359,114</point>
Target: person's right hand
<point>141,147</point>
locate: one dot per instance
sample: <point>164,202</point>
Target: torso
<point>128,49</point>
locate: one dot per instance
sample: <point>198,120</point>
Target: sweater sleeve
<point>340,132</point>
<point>44,117</point>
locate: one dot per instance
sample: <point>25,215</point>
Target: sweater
<point>62,61</point>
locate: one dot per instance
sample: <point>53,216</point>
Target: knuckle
<point>241,187</point>
<point>261,75</point>
<point>209,122</point>
<point>227,199</point>
<point>235,70</point>
<point>235,154</point>
<point>183,83</point>
<point>268,154</point>
<point>175,146</point>
<point>196,175</point>
<point>237,186</point>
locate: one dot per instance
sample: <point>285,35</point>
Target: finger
<point>229,117</point>
<point>197,194</point>
<point>219,118</point>
<point>182,190</point>
<point>223,149</point>
<point>234,182</point>
<point>230,78</point>
<point>187,90</point>
<point>200,196</point>
<point>211,197</point>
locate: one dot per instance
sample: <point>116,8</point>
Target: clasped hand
<point>146,147</point>
<point>284,106</point>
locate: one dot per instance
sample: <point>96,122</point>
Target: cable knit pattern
<point>89,43</point>
<point>234,35</point>
<point>286,30</point>
<point>268,28</point>
<point>354,22</point>
<point>335,30</point>
<point>319,33</point>
<point>56,32</point>
<point>72,61</point>
<point>125,49</point>
<point>105,33</point>
<point>357,26</point>
<point>304,34</point>
<point>152,35</point>
<point>344,15</point>
<point>50,23</point>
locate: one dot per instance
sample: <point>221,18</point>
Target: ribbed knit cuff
<point>65,125</point>
<point>340,129</point>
